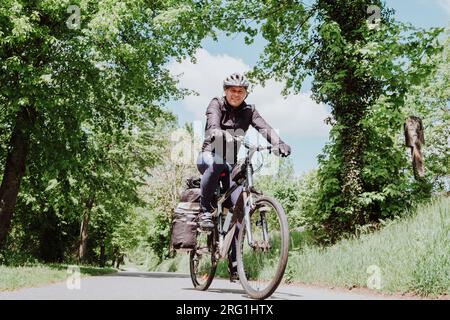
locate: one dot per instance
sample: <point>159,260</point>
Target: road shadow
<point>221,290</point>
<point>278,295</point>
<point>158,275</point>
<point>292,295</point>
<point>83,269</point>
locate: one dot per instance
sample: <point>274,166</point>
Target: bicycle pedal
<point>234,278</point>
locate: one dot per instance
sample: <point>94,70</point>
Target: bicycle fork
<point>262,223</point>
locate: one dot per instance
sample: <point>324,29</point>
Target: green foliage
<point>162,188</point>
<point>284,187</point>
<point>430,101</point>
<point>365,75</point>
<point>159,232</point>
<point>363,174</point>
<point>99,93</point>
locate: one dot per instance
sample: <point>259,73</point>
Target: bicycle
<point>262,244</point>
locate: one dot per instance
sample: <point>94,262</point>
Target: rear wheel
<point>261,266</point>
<point>203,260</point>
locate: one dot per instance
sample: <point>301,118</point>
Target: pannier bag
<point>184,225</point>
<point>191,195</point>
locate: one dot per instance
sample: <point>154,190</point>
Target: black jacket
<point>219,115</point>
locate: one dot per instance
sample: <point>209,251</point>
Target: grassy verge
<point>13,278</point>
<point>410,255</point>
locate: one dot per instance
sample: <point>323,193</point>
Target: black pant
<point>211,166</point>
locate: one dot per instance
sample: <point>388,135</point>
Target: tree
<point>108,72</point>
<point>119,163</point>
<point>164,185</point>
<point>353,66</point>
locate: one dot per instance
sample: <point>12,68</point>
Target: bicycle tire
<point>283,252</point>
<point>202,282</point>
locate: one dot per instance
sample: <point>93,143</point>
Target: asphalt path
<point>136,285</point>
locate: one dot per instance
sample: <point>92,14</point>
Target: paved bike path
<point>168,286</point>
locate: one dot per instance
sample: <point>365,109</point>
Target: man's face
<point>235,95</point>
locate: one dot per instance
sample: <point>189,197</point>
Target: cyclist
<point>228,117</point>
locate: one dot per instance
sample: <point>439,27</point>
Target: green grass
<point>180,263</point>
<point>13,278</point>
<point>411,254</point>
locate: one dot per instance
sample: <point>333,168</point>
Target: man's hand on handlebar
<point>282,149</point>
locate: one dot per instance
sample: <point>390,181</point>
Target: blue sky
<point>298,119</point>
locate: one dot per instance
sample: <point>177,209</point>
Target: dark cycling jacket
<point>219,115</point>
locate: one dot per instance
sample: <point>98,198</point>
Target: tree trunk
<point>352,183</point>
<point>84,230</point>
<point>14,169</point>
<point>352,144</point>
<point>102,254</point>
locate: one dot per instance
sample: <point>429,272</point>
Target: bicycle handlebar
<point>250,146</point>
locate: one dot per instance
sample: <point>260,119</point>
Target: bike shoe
<point>232,270</point>
<point>206,222</point>
<point>234,276</point>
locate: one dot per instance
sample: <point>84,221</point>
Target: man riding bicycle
<point>229,117</point>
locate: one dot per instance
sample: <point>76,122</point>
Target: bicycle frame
<point>223,227</point>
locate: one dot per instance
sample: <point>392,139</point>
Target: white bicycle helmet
<point>236,80</point>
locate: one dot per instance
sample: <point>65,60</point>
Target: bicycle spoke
<point>202,261</point>
<point>263,262</point>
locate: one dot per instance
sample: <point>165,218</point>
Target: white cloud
<point>298,115</point>
<point>445,4</point>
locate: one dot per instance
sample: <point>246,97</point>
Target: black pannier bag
<point>191,195</point>
<point>184,223</point>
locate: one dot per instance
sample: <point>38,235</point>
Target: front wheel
<point>261,265</point>
<point>203,260</point>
